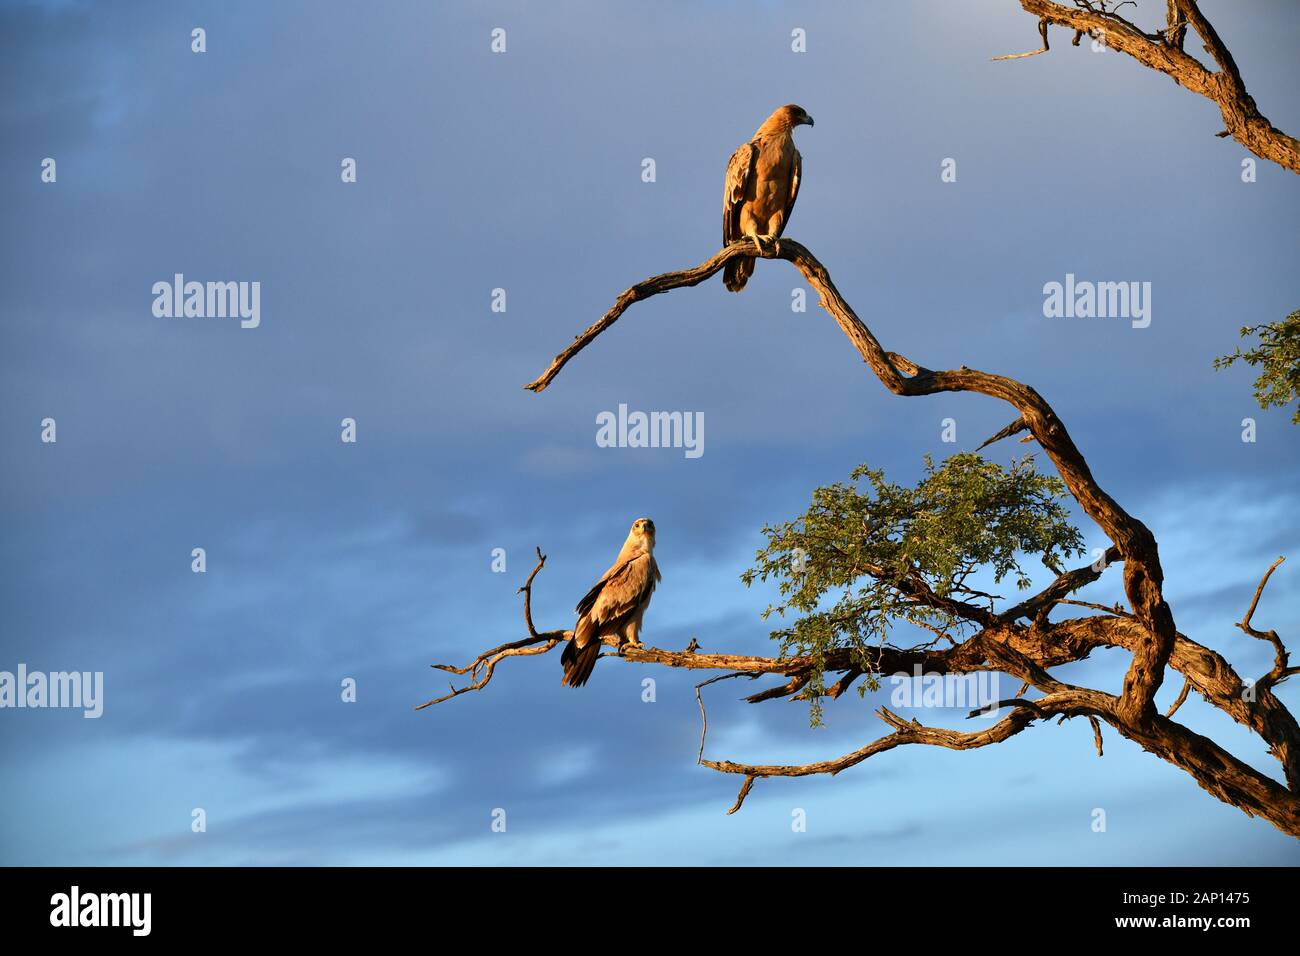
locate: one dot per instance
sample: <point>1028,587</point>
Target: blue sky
<point>522,171</point>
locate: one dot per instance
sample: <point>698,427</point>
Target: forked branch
<point>1280,670</point>
<point>1162,50</point>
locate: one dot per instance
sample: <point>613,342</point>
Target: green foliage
<point>1278,353</point>
<point>854,563</point>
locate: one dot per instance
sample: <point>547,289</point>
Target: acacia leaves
<point>870,553</point>
<point>1278,353</point>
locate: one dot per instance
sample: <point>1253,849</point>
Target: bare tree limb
<point>1175,25</point>
<point>1018,425</point>
<point>1056,592</point>
<point>482,667</point>
<point>1182,696</point>
<point>740,797</point>
<point>1042,31</point>
<point>704,717</point>
<point>1280,668</point>
<point>1114,609</point>
<point>1096,733</point>
<point>1163,51</point>
<point>655,285</point>
<point>905,732</point>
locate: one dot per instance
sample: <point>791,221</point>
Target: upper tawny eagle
<point>762,185</point>
<point>615,605</point>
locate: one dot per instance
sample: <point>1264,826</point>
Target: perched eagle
<point>762,185</point>
<point>615,605</point>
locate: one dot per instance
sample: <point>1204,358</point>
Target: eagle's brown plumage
<point>761,187</point>
<point>615,605</point>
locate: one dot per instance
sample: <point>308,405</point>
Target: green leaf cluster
<point>1278,355</point>
<point>870,553</point>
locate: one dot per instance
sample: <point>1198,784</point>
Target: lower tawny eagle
<point>615,605</point>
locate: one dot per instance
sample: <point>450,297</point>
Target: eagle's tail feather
<point>737,272</point>
<point>578,662</point>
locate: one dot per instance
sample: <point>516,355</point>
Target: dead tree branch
<point>1042,31</point>
<point>1163,51</point>
<point>1280,669</point>
<point>482,667</point>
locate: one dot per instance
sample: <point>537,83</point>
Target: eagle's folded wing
<point>739,170</point>
<point>589,598</point>
<point>796,174</point>
<point>622,589</point>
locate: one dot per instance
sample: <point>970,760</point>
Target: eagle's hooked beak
<point>810,120</point>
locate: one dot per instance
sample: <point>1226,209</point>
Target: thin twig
<point>1096,732</point>
<point>1182,696</point>
<point>704,717</point>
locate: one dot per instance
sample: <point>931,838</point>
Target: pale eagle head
<point>643,533</point>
